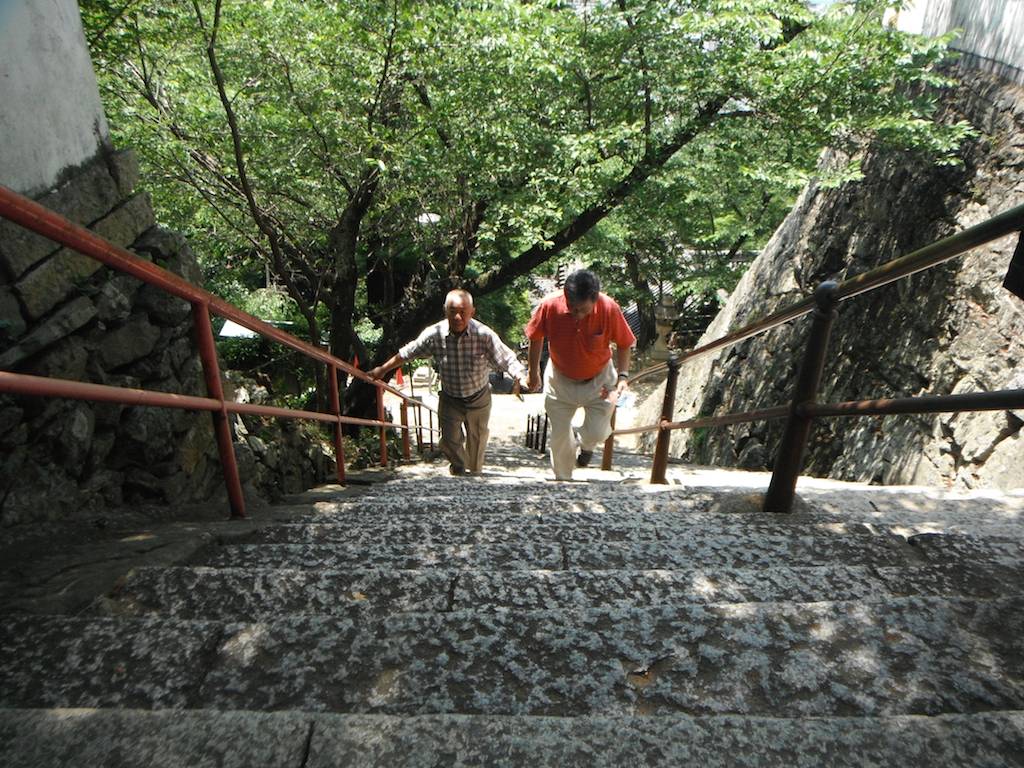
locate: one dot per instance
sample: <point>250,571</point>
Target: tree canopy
<point>373,154</point>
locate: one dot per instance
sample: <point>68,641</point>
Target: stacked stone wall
<point>66,316</point>
<point>952,329</point>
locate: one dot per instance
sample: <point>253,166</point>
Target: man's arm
<point>622,358</point>
<point>533,377</point>
<point>504,359</point>
<point>381,370</point>
<point>412,350</point>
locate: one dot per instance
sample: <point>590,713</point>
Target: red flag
<point>398,378</point>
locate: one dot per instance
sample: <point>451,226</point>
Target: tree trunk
<point>645,301</point>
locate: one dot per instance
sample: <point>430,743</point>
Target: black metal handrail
<point>929,256</point>
<point>803,408</point>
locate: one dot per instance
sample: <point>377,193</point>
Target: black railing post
<point>544,434</point>
<point>668,406</point>
<point>790,457</point>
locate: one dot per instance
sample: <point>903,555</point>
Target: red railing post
<point>221,426</point>
<point>383,430</point>
<point>790,457</point>
<point>609,446</point>
<point>668,406</point>
<point>406,452</point>
<point>418,419</point>
<point>339,446</point>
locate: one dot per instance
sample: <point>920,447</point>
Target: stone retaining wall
<point>952,329</point>
<point>64,315</point>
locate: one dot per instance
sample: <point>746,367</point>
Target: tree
<point>378,153</point>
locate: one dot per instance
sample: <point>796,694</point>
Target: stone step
<point>446,528</point>
<point>413,503</point>
<point>912,511</point>
<point>915,655</point>
<point>244,594</point>
<point>562,548</point>
<point>512,555</point>
<point>452,529</point>
<point>242,739</point>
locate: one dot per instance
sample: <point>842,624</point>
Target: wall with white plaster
<point>991,32</point>
<point>51,117</point>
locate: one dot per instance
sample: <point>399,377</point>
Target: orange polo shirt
<point>581,349</point>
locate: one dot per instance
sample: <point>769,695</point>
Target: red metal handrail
<point>39,219</point>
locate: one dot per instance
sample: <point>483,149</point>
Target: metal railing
<point>35,217</point>
<point>801,411</point>
<point>537,432</point>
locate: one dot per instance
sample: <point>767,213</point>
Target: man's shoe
<point>583,458</point>
<point>456,470</point>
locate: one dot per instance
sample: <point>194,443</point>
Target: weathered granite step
<point>509,505</point>
<point>868,658</point>
<point>913,512</point>
<point>687,550</point>
<point>380,554</point>
<point>239,739</point>
<point>406,530</point>
<point>242,594</point>
<point>451,529</point>
<point>56,661</point>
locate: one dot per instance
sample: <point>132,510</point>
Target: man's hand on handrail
<point>382,370</point>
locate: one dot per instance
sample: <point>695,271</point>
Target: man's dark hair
<point>582,285</point>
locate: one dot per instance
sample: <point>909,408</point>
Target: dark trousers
<point>464,429</point>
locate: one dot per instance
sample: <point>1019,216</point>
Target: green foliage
<point>368,332</point>
<point>698,441</point>
<point>270,304</point>
<point>674,135</point>
<point>364,450</point>
<point>507,312</point>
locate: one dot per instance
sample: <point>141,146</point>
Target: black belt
<point>466,399</point>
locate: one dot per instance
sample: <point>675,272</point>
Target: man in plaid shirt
<point>464,351</point>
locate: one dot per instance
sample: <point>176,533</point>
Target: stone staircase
<point>510,620</point>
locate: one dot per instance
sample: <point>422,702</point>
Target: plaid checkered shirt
<point>464,361</point>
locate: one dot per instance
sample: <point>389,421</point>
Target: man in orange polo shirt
<point>580,324</point>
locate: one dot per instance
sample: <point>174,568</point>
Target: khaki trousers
<point>564,396</point>
<point>464,429</point>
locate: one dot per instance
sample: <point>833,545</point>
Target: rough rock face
<point>952,329</point>
<point>63,315</point>
<point>276,456</point>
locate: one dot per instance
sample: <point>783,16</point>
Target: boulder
<point>85,195</point>
<point>53,280</point>
<point>76,438</point>
<point>62,323</point>
<point>112,304</point>
<point>12,321</point>
<point>170,250</point>
<point>67,359</point>
<point>128,343</point>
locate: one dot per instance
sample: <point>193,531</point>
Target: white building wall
<point>991,31</point>
<point>51,117</point>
